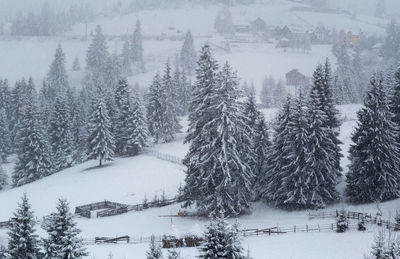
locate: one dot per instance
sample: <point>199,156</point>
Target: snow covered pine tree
<point>63,241</point>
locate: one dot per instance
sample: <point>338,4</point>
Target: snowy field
<point>129,180</point>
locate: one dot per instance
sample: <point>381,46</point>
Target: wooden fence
<point>4,224</point>
<point>163,156</point>
<point>108,208</point>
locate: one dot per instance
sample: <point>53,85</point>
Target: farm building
<point>295,78</point>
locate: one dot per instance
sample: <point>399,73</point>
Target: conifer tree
<point>137,48</point>
<point>155,110</point>
<point>138,135</point>
<point>379,250</point>
<point>374,156</point>
<point>269,182</point>
<point>155,250</point>
<point>394,101</point>
<point>101,141</point>
<point>221,176</point>
<point>96,60</point>
<point>126,61</point>
<point>221,241</point>
<point>76,65</point>
<point>188,54</point>
<point>169,102</point>
<point>123,113</point>
<point>262,147</point>
<point>173,254</point>
<point>5,141</point>
<point>292,189</point>
<point>322,164</point>
<point>57,77</point>
<point>200,114</point>
<point>22,241</point>
<point>3,178</point>
<point>63,240</point>
<point>60,138</point>
<point>33,160</point>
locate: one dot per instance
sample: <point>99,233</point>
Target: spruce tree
<point>22,241</point>
<point>63,240</point>
<point>155,110</point>
<point>169,102</point>
<point>57,77</point>
<point>262,147</point>
<point>76,66</point>
<point>173,254</point>
<point>5,141</point>
<point>33,160</point>
<point>155,250</point>
<point>96,60</point>
<point>374,156</point>
<point>123,113</point>
<point>101,141</point>
<point>221,176</point>
<point>322,164</point>
<point>221,241</point>
<point>200,114</point>
<point>126,61</point>
<point>394,101</point>
<point>188,54</point>
<point>379,249</point>
<point>138,134</point>
<point>3,178</point>
<point>137,48</point>
<point>269,182</point>
<point>60,138</point>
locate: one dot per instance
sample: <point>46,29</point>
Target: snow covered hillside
<point>129,180</point>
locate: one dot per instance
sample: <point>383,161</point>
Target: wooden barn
<point>295,78</point>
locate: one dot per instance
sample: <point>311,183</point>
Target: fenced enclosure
<point>108,208</point>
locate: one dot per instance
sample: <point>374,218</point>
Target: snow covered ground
<point>129,180</point>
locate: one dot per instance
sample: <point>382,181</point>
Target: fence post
<point>332,226</point>
<point>294,228</point>
<point>306,228</point>
<point>319,230</point>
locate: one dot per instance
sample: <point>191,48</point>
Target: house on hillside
<point>258,25</point>
<point>284,43</point>
<point>295,78</point>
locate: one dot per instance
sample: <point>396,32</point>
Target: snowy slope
<point>128,180</point>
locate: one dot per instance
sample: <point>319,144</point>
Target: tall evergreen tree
<point>137,48</point>
<point>3,178</point>
<point>33,160</point>
<point>63,240</point>
<point>170,105</point>
<point>262,148</point>
<point>138,135</point>
<point>221,177</point>
<point>155,110</point>
<point>374,156</point>
<point>101,141</point>
<point>60,138</point>
<point>221,241</point>
<point>188,54</point>
<point>5,141</point>
<point>394,101</point>
<point>126,61</point>
<point>322,162</point>
<point>96,60</point>
<point>22,241</point>
<point>57,77</point>
<point>269,182</point>
<point>290,183</point>
<point>123,113</point>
